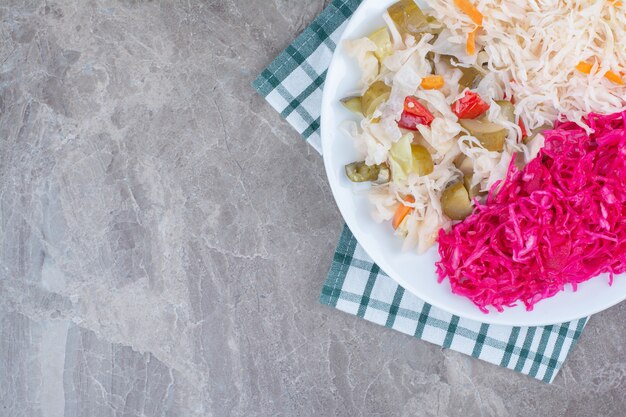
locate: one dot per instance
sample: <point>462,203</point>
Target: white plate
<point>414,272</point>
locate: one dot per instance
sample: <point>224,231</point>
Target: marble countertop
<point>165,236</point>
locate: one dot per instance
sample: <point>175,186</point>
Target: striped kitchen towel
<point>293,85</point>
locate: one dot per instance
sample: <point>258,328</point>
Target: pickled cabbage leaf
<point>401,158</point>
<point>363,51</point>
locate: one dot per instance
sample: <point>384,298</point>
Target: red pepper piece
<point>523,128</point>
<point>414,114</point>
<point>410,121</point>
<point>470,106</point>
<point>512,96</point>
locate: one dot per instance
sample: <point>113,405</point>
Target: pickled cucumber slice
<point>375,95</point>
<point>361,172</point>
<point>422,160</point>
<point>455,202</point>
<point>490,135</point>
<point>382,39</point>
<point>507,109</point>
<point>408,158</point>
<point>471,76</point>
<point>471,191</point>
<point>354,104</point>
<point>409,19</point>
<point>384,174</point>
<point>464,164</point>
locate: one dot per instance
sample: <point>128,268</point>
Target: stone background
<point>164,237</point>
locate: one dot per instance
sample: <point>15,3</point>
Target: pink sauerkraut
<point>561,220</point>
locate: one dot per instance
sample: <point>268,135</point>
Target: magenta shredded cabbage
<point>561,220</point>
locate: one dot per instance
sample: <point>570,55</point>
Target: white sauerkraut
<point>526,49</point>
<point>533,48</point>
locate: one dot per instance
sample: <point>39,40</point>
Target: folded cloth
<point>293,85</point>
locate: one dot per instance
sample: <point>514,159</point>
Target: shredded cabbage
<point>537,44</point>
<point>363,51</point>
<point>561,220</point>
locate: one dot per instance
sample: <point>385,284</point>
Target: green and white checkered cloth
<point>293,84</point>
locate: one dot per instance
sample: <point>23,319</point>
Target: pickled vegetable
<point>402,211</point>
<point>375,95</point>
<point>353,104</point>
<point>384,174</point>
<point>410,121</point>
<point>533,134</point>
<point>455,202</point>
<point>409,19</point>
<point>522,128</point>
<point>432,82</point>
<point>470,106</point>
<point>422,160</point>
<point>507,109</point>
<point>490,135</point>
<point>471,191</point>
<point>414,114</point>
<point>382,39</point>
<point>471,77</point>
<point>408,158</point>
<point>361,172</point>
<point>464,164</point>
<point>401,158</point>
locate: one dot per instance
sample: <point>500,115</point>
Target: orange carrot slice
<point>585,68</point>
<point>470,47</point>
<point>402,211</point>
<point>469,9</point>
<point>611,76</point>
<point>476,16</point>
<point>432,82</point>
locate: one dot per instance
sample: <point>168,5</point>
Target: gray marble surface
<point>164,237</point>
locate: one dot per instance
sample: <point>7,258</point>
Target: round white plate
<point>416,273</point>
